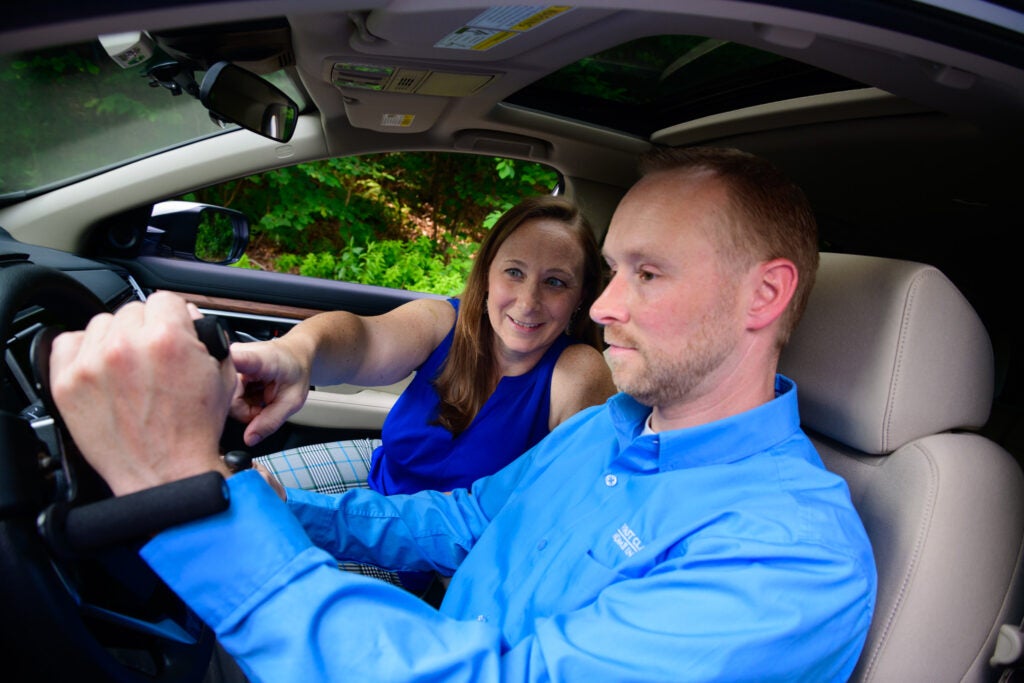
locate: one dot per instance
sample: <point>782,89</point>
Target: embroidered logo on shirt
<point>627,540</point>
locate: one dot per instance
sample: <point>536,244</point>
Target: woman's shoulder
<point>579,356</point>
<point>581,379</point>
<point>442,310</point>
<point>424,324</point>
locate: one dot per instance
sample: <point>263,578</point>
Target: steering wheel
<point>95,615</point>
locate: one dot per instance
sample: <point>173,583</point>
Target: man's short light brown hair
<point>771,216</point>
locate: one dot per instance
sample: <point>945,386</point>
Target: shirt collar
<point>722,441</point>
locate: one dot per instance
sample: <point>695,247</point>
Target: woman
<point>496,369</point>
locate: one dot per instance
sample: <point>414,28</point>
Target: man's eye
<point>645,275</point>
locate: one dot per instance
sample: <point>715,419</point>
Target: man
<point>684,531</point>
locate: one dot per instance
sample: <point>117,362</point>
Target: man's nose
<point>609,305</point>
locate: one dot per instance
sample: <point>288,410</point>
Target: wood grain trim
<point>250,307</point>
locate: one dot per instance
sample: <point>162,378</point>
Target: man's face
<point>670,312</point>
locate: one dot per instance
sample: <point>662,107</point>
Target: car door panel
<point>181,275</point>
<point>258,306</point>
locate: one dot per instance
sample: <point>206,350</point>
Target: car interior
<point>941,503</point>
<point>900,120</point>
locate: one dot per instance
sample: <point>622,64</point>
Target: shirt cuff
<point>220,563</point>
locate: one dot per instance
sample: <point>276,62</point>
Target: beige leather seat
<point>894,369</point>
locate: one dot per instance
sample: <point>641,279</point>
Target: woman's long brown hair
<point>469,374</point>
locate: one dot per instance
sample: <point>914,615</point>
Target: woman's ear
<point>773,284</point>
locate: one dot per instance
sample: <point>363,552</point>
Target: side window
<point>402,220</point>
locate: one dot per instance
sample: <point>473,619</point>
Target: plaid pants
<point>325,468</point>
<point>329,468</point>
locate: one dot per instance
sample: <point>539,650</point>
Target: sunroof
<point>648,84</point>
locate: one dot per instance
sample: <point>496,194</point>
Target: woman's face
<point>534,285</point>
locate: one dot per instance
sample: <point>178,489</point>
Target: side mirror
<point>202,232</point>
<point>234,94</point>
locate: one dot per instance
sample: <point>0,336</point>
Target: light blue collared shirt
<point>724,551</point>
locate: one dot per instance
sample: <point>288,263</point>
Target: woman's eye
<point>513,272</point>
<point>555,282</point>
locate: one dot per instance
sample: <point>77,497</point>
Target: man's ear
<point>773,284</point>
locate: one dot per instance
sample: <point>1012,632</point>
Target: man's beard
<point>665,377</point>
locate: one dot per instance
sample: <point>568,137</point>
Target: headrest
<point>888,351</point>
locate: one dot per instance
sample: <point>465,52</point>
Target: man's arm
<point>281,607</point>
<point>425,531</point>
<point>284,610</point>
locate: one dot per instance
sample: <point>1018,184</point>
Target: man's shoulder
<point>587,428</point>
<point>588,418</point>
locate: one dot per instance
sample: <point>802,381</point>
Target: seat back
<point>893,370</point>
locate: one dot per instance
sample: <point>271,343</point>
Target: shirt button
<point>611,480</point>
<point>481,618</point>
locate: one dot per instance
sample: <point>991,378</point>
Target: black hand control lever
<point>70,530</point>
<point>214,335</point>
<point>237,461</point>
<point>211,331</point>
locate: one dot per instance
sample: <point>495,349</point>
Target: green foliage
<point>117,104</point>
<point>320,265</point>
<point>350,266</point>
<point>286,263</point>
<point>214,238</point>
<point>412,266</point>
<point>245,263</point>
<point>403,220</point>
<point>105,114</point>
<point>415,266</point>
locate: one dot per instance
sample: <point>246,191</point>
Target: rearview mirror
<point>233,94</point>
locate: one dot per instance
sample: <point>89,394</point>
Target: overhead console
<point>376,78</point>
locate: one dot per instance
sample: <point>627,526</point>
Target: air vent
<point>286,59</point>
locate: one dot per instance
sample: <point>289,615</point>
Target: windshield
<point>76,112</point>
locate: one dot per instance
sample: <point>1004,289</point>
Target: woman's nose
<point>530,296</point>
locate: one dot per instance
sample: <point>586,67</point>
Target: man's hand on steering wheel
<point>141,395</point>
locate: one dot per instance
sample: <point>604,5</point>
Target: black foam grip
<point>214,335</point>
<point>138,515</point>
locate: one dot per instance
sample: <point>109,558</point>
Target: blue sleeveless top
<point>417,455</point>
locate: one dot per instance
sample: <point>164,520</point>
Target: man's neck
<point>718,402</point>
